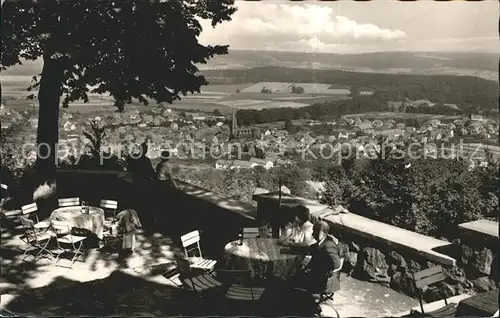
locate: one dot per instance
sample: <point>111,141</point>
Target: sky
<point>358,27</point>
<point>347,27</point>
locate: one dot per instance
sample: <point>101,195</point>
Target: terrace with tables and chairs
<point>218,258</point>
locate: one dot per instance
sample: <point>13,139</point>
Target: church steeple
<point>234,126</point>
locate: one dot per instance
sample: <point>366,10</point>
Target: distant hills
<point>376,61</point>
<point>483,65</point>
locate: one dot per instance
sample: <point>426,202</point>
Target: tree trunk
<point>48,124</point>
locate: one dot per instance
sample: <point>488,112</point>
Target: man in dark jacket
<point>325,257</point>
<point>143,175</point>
<point>140,166</point>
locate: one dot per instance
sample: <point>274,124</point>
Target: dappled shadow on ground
<point>124,294</point>
<point>151,249</point>
<point>98,286</point>
<point>118,294</point>
<point>17,275</point>
<point>165,217</point>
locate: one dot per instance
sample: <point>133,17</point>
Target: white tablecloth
<point>73,216</point>
<point>263,257</point>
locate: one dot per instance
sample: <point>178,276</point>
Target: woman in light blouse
<point>300,232</point>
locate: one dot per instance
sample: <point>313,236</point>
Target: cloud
<point>260,25</point>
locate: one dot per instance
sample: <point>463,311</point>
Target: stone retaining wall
<point>476,269</point>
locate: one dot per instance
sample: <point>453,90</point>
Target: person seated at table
<point>325,257</point>
<point>301,231</point>
<point>264,230</point>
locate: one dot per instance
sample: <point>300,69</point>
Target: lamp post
<point>279,192</point>
<point>277,225</point>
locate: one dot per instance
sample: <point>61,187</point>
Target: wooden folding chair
<point>428,277</point>
<point>69,202</point>
<point>109,206</point>
<point>194,282</point>
<point>64,238</point>
<point>31,210</point>
<point>11,216</point>
<point>173,275</point>
<point>194,290</point>
<point>191,243</point>
<point>35,239</point>
<point>250,232</point>
<point>255,232</point>
<point>238,283</point>
<point>240,297</point>
<point>332,285</point>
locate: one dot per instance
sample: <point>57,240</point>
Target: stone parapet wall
<point>389,255</point>
<point>476,269</point>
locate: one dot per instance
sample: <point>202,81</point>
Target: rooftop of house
<point>280,132</point>
<point>242,163</point>
<point>388,132</point>
<point>420,102</point>
<point>260,191</point>
<point>260,161</point>
<point>366,125</point>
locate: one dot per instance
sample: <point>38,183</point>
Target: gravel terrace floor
<point>104,286</point>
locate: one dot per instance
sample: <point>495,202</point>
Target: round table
<point>263,257</point>
<point>73,216</point>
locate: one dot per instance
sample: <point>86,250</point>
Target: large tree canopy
<point>130,49</point>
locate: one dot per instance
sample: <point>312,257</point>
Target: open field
<point>391,115</point>
<point>183,105</point>
<point>224,88</point>
<point>275,104</point>
<point>220,97</point>
<point>241,103</point>
<point>21,81</point>
<point>305,98</point>
<point>109,108</point>
<point>206,107</point>
<point>286,87</point>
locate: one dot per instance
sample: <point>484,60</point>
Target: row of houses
<point>203,117</point>
<point>223,164</point>
<point>270,162</point>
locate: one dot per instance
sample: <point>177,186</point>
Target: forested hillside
<point>464,91</point>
